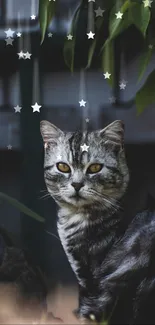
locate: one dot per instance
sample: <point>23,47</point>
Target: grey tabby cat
<point>113,267</point>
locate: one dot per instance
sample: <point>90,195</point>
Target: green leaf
<point>144,61</point>
<point>104,322</point>
<point>146,95</point>
<point>69,45</point>
<point>46,12</point>
<point>108,61</point>
<point>116,26</point>
<point>91,53</point>
<point>141,17</point>
<point>21,207</point>
<point>99,23</point>
<point>68,51</point>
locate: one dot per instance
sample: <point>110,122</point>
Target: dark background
<point>46,79</point>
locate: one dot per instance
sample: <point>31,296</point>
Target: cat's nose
<point>77,186</point>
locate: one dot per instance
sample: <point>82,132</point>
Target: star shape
<point>82,103</point>
<point>87,120</point>
<point>33,17</point>
<point>90,35</point>
<point>122,85</point>
<point>9,41</point>
<point>9,32</point>
<point>69,37</point>
<point>107,75</point>
<point>92,317</point>
<point>147,3</point>
<point>50,34</point>
<point>21,55</point>
<point>59,157</point>
<point>17,109</point>
<point>36,107</point>
<point>150,46</point>
<point>99,12</point>
<point>9,147</point>
<point>27,55</point>
<point>119,15</point>
<point>84,147</point>
<point>19,34</point>
<point>112,100</point>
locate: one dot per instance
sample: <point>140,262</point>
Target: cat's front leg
<point>94,307</point>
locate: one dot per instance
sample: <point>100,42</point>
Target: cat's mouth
<point>77,196</point>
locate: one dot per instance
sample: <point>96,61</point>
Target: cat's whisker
<point>51,234</point>
<point>111,202</point>
<point>46,196</point>
<point>43,190</point>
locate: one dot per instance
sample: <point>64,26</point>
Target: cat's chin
<point>72,202</point>
<point>77,197</point>
<point>77,200</point>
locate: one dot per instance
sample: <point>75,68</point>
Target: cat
<point>86,173</point>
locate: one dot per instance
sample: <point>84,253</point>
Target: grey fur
<point>88,226</point>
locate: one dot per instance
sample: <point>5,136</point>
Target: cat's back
<point>142,226</point>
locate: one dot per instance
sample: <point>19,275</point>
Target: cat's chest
<point>78,235</point>
<point>73,241</point>
<point>72,234</point>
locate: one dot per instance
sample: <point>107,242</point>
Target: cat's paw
<point>76,312</point>
<point>81,318</point>
<point>84,319</point>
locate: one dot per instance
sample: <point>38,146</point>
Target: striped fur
<point>110,266</point>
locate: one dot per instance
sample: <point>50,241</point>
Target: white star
<point>33,17</point>
<point>99,12</point>
<point>107,75</point>
<point>9,147</point>
<point>90,35</point>
<point>92,317</point>
<point>87,120</point>
<point>21,55</point>
<point>9,32</point>
<point>112,100</point>
<point>19,34</point>
<point>9,41</point>
<point>84,147</point>
<point>119,15</point>
<point>50,34</point>
<point>27,55</point>
<point>17,109</point>
<point>69,37</point>
<point>150,46</point>
<point>36,107</point>
<point>82,103</point>
<point>122,84</point>
<point>147,3</point>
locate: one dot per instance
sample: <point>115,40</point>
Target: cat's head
<point>97,177</point>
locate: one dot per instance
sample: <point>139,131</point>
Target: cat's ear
<point>114,132</point>
<point>49,131</point>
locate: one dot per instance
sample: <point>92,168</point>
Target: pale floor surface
<point>13,310</point>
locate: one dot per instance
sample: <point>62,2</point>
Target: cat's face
<point>97,177</point>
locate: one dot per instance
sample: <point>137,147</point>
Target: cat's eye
<point>94,168</point>
<point>64,168</point>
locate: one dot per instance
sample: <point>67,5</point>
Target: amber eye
<point>94,168</point>
<point>64,168</point>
